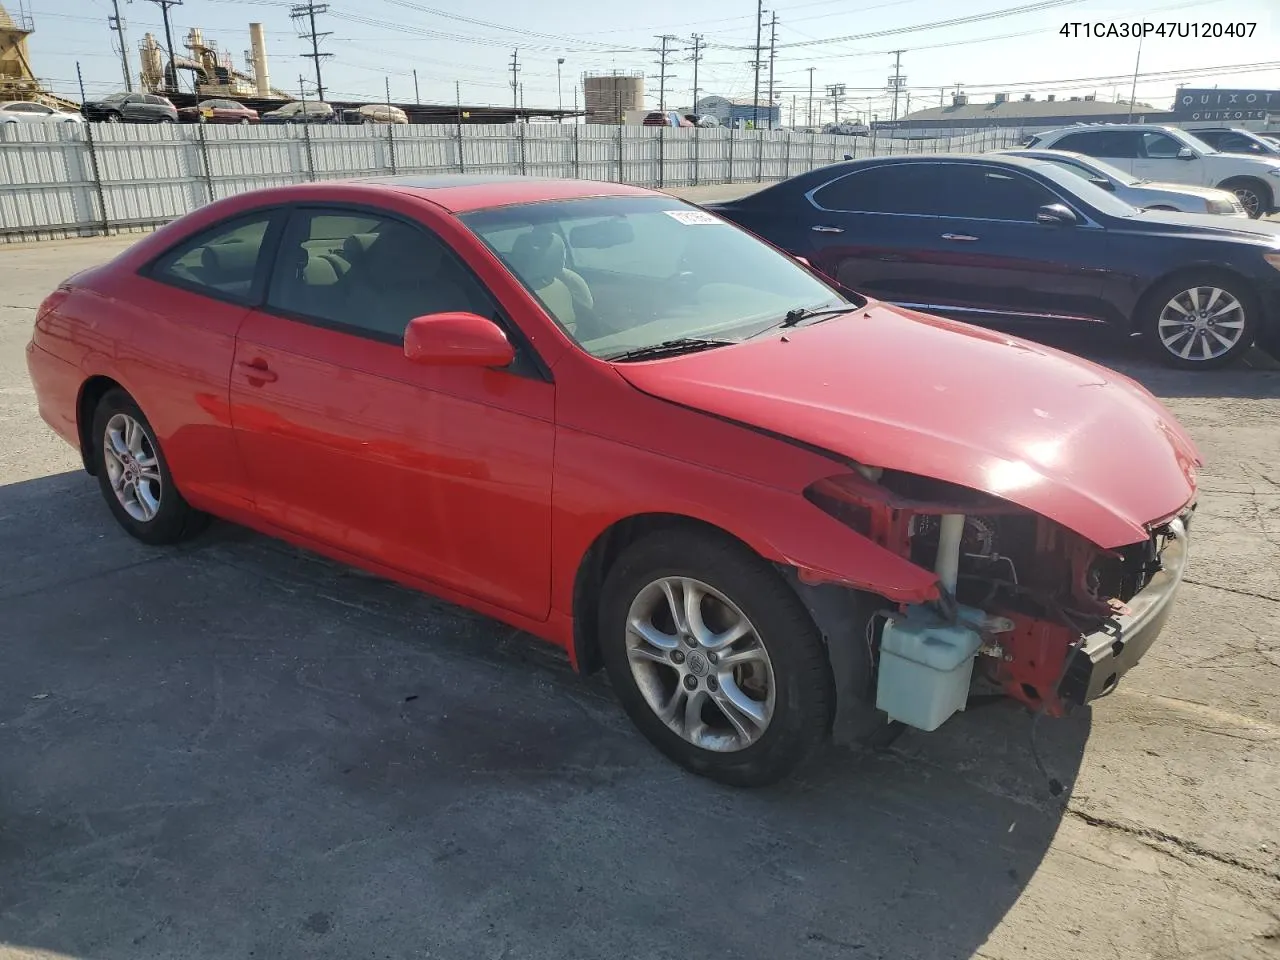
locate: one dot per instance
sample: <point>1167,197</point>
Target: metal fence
<point>80,179</point>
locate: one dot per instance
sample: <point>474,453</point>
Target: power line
<point>306,13</point>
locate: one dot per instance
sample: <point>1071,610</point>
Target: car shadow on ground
<point>1255,376</point>
<point>235,748</point>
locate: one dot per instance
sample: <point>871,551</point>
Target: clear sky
<point>1005,45</point>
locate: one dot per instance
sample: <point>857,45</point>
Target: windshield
<point>625,273</point>
<point>114,98</point>
<point>1073,184</point>
<point>1092,168</point>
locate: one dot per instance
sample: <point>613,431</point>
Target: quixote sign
<point>1225,104</point>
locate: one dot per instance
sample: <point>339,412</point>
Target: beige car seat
<point>538,258</point>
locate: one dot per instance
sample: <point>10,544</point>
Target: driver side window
<point>1160,146</point>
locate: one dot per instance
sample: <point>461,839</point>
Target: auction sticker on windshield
<point>692,217</point>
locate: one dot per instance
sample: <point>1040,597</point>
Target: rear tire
<point>134,476</point>
<point>1254,195</point>
<point>747,723</point>
<point>1187,311</point>
<point>113,117</point>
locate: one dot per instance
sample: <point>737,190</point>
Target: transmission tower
<point>304,14</point>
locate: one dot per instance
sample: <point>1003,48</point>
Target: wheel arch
<point>1268,191</point>
<point>840,613</point>
<point>91,393</point>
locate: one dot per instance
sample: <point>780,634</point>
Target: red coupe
<point>773,509</point>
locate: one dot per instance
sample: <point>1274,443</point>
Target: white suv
<point>1173,156</point>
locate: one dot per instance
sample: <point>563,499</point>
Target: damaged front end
<point>1026,607</point>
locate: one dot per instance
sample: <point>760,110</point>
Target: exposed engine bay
<point>1028,608</point>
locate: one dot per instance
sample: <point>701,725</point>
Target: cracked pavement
<point>235,748</point>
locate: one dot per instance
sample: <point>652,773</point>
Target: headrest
<point>399,254</point>
<point>356,244</point>
<point>538,257</point>
<point>224,257</point>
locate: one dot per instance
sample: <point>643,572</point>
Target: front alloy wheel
<point>1202,323</point>
<point>714,657</point>
<point>1199,319</point>
<point>700,664</point>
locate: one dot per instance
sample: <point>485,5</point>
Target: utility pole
<point>1133,90</point>
<point>697,55</point>
<point>164,6</point>
<point>755,100</point>
<point>559,95</point>
<point>304,14</point>
<point>835,91</point>
<point>515,83</point>
<point>416,99</point>
<point>664,52</point>
<point>895,82</point>
<point>810,112</point>
<point>773,51</point>
<point>117,24</point>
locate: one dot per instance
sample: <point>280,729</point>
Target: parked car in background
<point>300,111</point>
<point>27,111</point>
<point>218,111</point>
<point>1230,140</point>
<point>131,108</point>
<point>771,510</point>
<point>1170,155</point>
<point>847,129</point>
<point>383,113</point>
<point>1002,238</point>
<point>1143,194</point>
<point>1271,138</point>
<point>669,119</point>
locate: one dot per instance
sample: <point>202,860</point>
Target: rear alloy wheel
<point>715,658</point>
<point>1254,195</point>
<point>114,117</point>
<point>134,477</point>
<point>1200,322</point>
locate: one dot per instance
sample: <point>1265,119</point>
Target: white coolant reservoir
<point>925,666</point>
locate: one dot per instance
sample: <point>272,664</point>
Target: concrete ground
<point>236,749</point>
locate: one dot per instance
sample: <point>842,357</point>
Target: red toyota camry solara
<point>775,511</point>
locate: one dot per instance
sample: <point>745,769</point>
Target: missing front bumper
<point>1113,650</point>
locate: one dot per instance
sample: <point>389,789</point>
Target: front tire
<point>1254,195</point>
<point>134,475</point>
<point>1199,320</point>
<point>714,658</point>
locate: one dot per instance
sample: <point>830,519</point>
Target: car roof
<point>463,193</point>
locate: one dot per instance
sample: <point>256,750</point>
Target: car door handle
<point>825,229</point>
<point>257,372</point>
<point>958,236</point>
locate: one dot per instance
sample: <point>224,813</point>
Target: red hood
<point>889,387</point>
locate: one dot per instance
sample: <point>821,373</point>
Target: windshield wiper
<point>801,314</point>
<point>671,348</point>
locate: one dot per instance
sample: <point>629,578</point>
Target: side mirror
<point>1057,214</point>
<point>1104,183</point>
<point>457,340</point>
<point>1186,153</point>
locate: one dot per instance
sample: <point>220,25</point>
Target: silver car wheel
<point>700,664</point>
<point>1201,323</point>
<point>1249,199</point>
<point>129,454</point>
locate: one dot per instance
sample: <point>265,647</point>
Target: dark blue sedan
<point>992,239</point>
